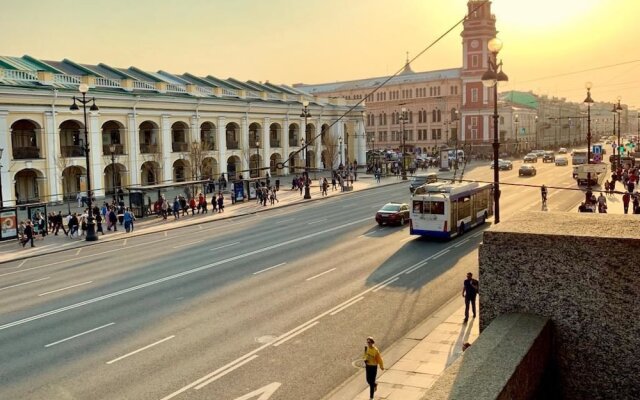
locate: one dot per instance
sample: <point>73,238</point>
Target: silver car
<point>561,161</point>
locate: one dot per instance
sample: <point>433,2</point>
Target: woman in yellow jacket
<point>372,359</point>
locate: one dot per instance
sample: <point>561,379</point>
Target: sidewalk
<point>11,250</point>
<point>415,362</point>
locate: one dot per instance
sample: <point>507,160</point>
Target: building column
<point>337,133</point>
<point>167,165</point>
<point>195,130</point>
<point>54,175</point>
<point>245,148</point>
<point>361,146</point>
<point>317,145</point>
<point>134,150</point>
<point>7,183</point>
<point>266,145</point>
<point>487,133</point>
<point>222,145</point>
<point>285,146</point>
<point>95,156</point>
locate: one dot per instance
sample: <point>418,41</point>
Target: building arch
<point>114,172</point>
<point>232,133</point>
<point>208,136</point>
<point>234,168</point>
<point>71,138</point>
<point>26,139</point>
<point>150,173</point>
<point>73,181</point>
<point>310,133</point>
<point>29,186</point>
<point>254,166</point>
<point>254,135</point>
<point>181,170</point>
<point>149,137</point>
<point>274,160</point>
<point>113,134</point>
<point>296,163</point>
<point>179,137</point>
<point>294,135</point>
<point>324,132</point>
<point>311,158</point>
<point>275,135</point>
<point>210,168</point>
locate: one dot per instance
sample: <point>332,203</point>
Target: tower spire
<point>407,67</point>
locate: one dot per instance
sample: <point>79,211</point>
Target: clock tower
<point>477,103</point>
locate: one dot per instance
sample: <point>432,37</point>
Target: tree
<point>331,151</point>
<point>196,155</point>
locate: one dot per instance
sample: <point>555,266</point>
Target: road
<point>277,303</point>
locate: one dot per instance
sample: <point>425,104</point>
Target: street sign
<point>597,158</point>
<point>597,149</point>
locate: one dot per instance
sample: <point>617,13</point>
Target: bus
<point>446,210</point>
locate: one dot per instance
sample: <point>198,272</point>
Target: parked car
<point>548,156</point>
<point>420,180</point>
<point>503,165</point>
<point>527,170</point>
<point>393,213</point>
<point>531,158</point>
<point>562,150</point>
<point>561,161</point>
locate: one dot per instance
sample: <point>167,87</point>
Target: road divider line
<point>165,233</point>
<point>177,275</point>
<point>79,334</point>
<point>124,242</point>
<point>407,239</point>
<point>64,288</point>
<point>284,220</point>
<point>23,283</point>
<point>279,342</point>
<point>141,349</point>
<point>440,254</point>
<point>346,306</point>
<point>220,375</point>
<point>22,263</point>
<point>270,268</point>
<point>224,245</point>
<point>386,284</point>
<point>462,242</point>
<point>79,250</point>
<point>188,244</point>
<point>316,221</point>
<point>320,274</point>
<point>418,265</point>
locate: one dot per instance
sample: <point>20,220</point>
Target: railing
<point>176,88</point>
<point>229,92</point>
<point>253,94</point>
<point>232,145</point>
<point>67,79</point>
<point>107,82</point>
<point>274,143</point>
<point>20,75</point>
<point>142,85</point>
<point>72,151</point>
<point>176,147</point>
<point>22,153</point>
<point>146,148</point>
<point>273,96</point>
<point>204,90</point>
<point>106,149</point>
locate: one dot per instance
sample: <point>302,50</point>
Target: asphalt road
<point>277,303</point>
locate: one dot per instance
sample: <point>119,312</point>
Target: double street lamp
<point>490,78</point>
<point>588,101</point>
<point>404,118</point>
<point>306,114</point>
<point>83,88</point>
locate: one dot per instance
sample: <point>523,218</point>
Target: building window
<point>474,121</point>
<point>474,61</point>
<point>474,95</point>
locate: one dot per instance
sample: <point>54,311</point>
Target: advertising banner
<point>238,189</point>
<point>9,224</point>
<point>34,212</point>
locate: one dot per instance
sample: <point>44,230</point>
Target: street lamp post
<point>588,101</point>
<point>112,149</point>
<point>340,150</point>
<point>306,114</point>
<point>91,227</point>
<point>536,123</point>
<point>516,134</point>
<point>257,159</point>
<point>618,110</point>
<point>403,119</point>
<point>490,78</point>
<point>1,199</point>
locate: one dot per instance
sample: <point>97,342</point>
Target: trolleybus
<point>447,210</point>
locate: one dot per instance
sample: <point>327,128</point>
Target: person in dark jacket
<point>28,234</point>
<point>469,292</point>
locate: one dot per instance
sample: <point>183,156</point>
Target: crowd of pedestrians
<point>627,177</point>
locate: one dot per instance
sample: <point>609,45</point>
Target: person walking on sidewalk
<point>469,292</point>
<point>28,234</point>
<point>372,358</point>
<point>625,202</point>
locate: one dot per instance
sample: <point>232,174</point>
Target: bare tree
<point>196,155</point>
<point>331,150</point>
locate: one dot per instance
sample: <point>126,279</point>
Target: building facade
<point>155,127</point>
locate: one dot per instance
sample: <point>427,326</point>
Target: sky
<point>551,47</point>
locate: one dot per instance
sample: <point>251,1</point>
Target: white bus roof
<point>450,188</point>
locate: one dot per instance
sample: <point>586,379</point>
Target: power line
<point>579,72</point>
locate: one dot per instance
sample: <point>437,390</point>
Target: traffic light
<point>621,149</point>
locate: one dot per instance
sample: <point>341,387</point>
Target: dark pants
<point>26,240</point>
<point>372,371</point>
<point>57,228</point>
<point>468,300</point>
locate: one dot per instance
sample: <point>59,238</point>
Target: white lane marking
<point>22,263</point>
<point>440,254</point>
<point>124,242</point>
<point>175,276</point>
<point>281,341</point>
<point>188,244</point>
<point>284,220</point>
<point>478,234</point>
<point>407,239</point>
<point>200,226</point>
<point>265,392</point>
<point>141,349</point>
<point>346,306</point>
<point>316,221</point>
<point>79,334</point>
<point>78,252</point>
<point>224,245</point>
<point>23,283</point>
<point>462,242</point>
<point>320,274</point>
<point>165,233</point>
<point>65,288</point>
<point>220,375</point>
<point>386,284</point>
<point>267,269</point>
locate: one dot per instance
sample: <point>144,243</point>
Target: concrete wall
<point>581,271</point>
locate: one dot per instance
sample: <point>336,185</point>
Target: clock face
<point>474,44</point>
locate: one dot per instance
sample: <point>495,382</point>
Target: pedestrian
<point>625,201</point>
<point>602,204</point>
<point>28,234</point>
<point>57,224</point>
<point>233,198</point>
<point>333,182</point>
<point>21,228</point>
<point>112,222</point>
<point>128,220</point>
<point>192,205</point>
<point>372,358</point>
<point>469,292</point>
<point>73,225</point>
<point>176,209</point>
<point>214,203</point>
<point>220,203</point>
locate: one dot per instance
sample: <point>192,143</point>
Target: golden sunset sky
<point>550,46</point>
